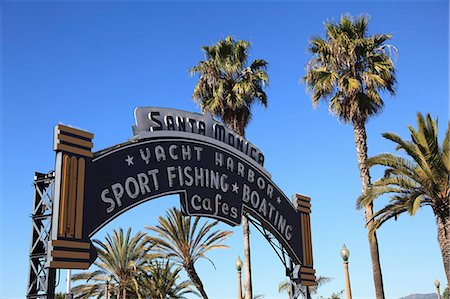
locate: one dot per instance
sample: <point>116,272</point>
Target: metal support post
<point>41,280</point>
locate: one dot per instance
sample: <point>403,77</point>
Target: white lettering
<point>109,200</point>
<point>172,154</point>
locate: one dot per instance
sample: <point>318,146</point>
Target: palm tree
<point>182,239</point>
<point>348,70</point>
<point>118,257</point>
<point>285,286</point>
<point>60,296</point>
<point>445,295</point>
<point>420,179</point>
<point>160,281</point>
<point>337,295</point>
<point>228,88</point>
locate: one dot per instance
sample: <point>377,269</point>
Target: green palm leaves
<point>118,257</point>
<point>285,286</point>
<point>185,240</point>
<point>421,178</point>
<point>141,266</point>
<point>228,86</point>
<point>349,69</point>
<point>161,282</point>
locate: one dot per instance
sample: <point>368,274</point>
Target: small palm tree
<point>285,286</point>
<point>337,295</point>
<point>160,281</point>
<point>60,296</point>
<point>348,70</point>
<point>228,87</point>
<point>118,257</point>
<point>420,179</point>
<point>446,295</point>
<point>183,239</point>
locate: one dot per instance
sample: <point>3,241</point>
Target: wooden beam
<point>70,254</point>
<point>70,244</point>
<point>63,128</point>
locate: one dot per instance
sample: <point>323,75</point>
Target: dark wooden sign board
<point>217,174</point>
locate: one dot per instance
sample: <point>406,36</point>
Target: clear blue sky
<point>90,63</point>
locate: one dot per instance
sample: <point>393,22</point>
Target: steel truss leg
<point>41,280</point>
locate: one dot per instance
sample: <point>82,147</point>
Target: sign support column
<point>69,248</point>
<point>307,272</point>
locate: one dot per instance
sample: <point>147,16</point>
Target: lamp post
<point>68,285</point>
<point>239,268</point>
<point>437,284</point>
<point>345,254</point>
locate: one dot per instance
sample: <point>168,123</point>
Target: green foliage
<point>184,240</point>
<point>127,269</point>
<point>60,296</point>
<point>160,281</point>
<point>337,295</point>
<point>419,179</point>
<point>119,257</point>
<point>228,86</point>
<point>446,294</point>
<point>349,69</point>
<point>285,286</point>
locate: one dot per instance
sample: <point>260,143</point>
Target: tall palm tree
<point>185,241</point>
<point>348,70</point>
<point>228,88</point>
<point>419,179</point>
<point>160,281</point>
<point>118,257</point>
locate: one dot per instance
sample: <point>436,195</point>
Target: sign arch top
<point>216,172</point>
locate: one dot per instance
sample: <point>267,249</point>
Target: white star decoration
<point>278,199</point>
<point>129,160</point>
<point>235,187</point>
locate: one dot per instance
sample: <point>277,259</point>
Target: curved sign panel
<point>213,181</point>
<point>217,173</point>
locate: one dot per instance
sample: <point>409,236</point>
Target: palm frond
<point>348,69</point>
<point>419,179</point>
<point>228,86</point>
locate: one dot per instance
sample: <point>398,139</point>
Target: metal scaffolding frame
<point>41,280</point>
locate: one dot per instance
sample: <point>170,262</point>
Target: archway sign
<point>216,172</point>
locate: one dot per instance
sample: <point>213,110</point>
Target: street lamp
<point>239,268</point>
<point>345,254</point>
<point>437,284</point>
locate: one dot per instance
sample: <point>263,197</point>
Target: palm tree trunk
<point>193,276</point>
<point>361,150</point>
<point>444,244</point>
<point>239,128</point>
<point>247,260</point>
<point>107,291</point>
